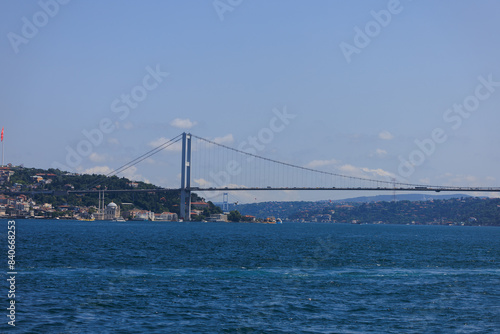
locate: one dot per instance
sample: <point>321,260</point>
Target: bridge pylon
<point>185,207</point>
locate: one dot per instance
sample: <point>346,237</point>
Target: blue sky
<point>231,63</point>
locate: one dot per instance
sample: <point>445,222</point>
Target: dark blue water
<point>147,277</point>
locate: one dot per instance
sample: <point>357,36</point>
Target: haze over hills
<point>368,199</point>
<point>456,209</point>
<point>402,197</point>
<point>408,208</point>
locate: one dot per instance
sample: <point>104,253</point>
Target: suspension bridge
<point>211,166</point>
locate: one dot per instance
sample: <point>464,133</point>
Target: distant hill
<point>409,208</point>
<point>448,209</point>
<point>402,197</point>
<point>285,209</point>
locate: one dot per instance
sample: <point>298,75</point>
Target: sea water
<point>166,277</point>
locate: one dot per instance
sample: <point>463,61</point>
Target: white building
<point>217,217</point>
<point>166,217</point>
<point>142,215</point>
<point>111,211</point>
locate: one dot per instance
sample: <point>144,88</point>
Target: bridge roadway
<point>224,189</point>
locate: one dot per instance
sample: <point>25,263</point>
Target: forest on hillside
<point>24,179</point>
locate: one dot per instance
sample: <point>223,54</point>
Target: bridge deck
<point>435,189</point>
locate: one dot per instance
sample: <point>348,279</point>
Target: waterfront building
<point>112,211</point>
<point>217,217</point>
<point>142,215</point>
<point>166,217</point>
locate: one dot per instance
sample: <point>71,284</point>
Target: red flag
<point>2,134</point>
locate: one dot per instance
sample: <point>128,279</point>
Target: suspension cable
<point>142,157</point>
<point>307,168</point>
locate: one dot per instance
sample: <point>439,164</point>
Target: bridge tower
<point>185,208</point>
<point>225,202</point>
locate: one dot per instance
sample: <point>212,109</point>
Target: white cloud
<point>176,147</point>
<point>378,172</point>
<point>97,170</point>
<point>158,142</point>
<point>385,135</point>
<point>367,173</point>
<point>380,153</point>
<point>202,182</point>
<point>321,163</point>
<point>182,123</point>
<point>349,169</point>
<point>129,173</point>
<point>113,141</point>
<point>227,139</point>
<point>128,125</point>
<point>95,157</point>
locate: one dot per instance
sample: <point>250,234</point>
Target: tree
<point>234,216</point>
<point>213,208</point>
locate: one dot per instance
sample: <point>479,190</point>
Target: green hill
<point>35,179</point>
<point>463,211</point>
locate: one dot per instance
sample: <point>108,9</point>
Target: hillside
<point>399,197</point>
<point>463,211</point>
<point>434,210</point>
<point>286,209</point>
<point>35,179</point>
